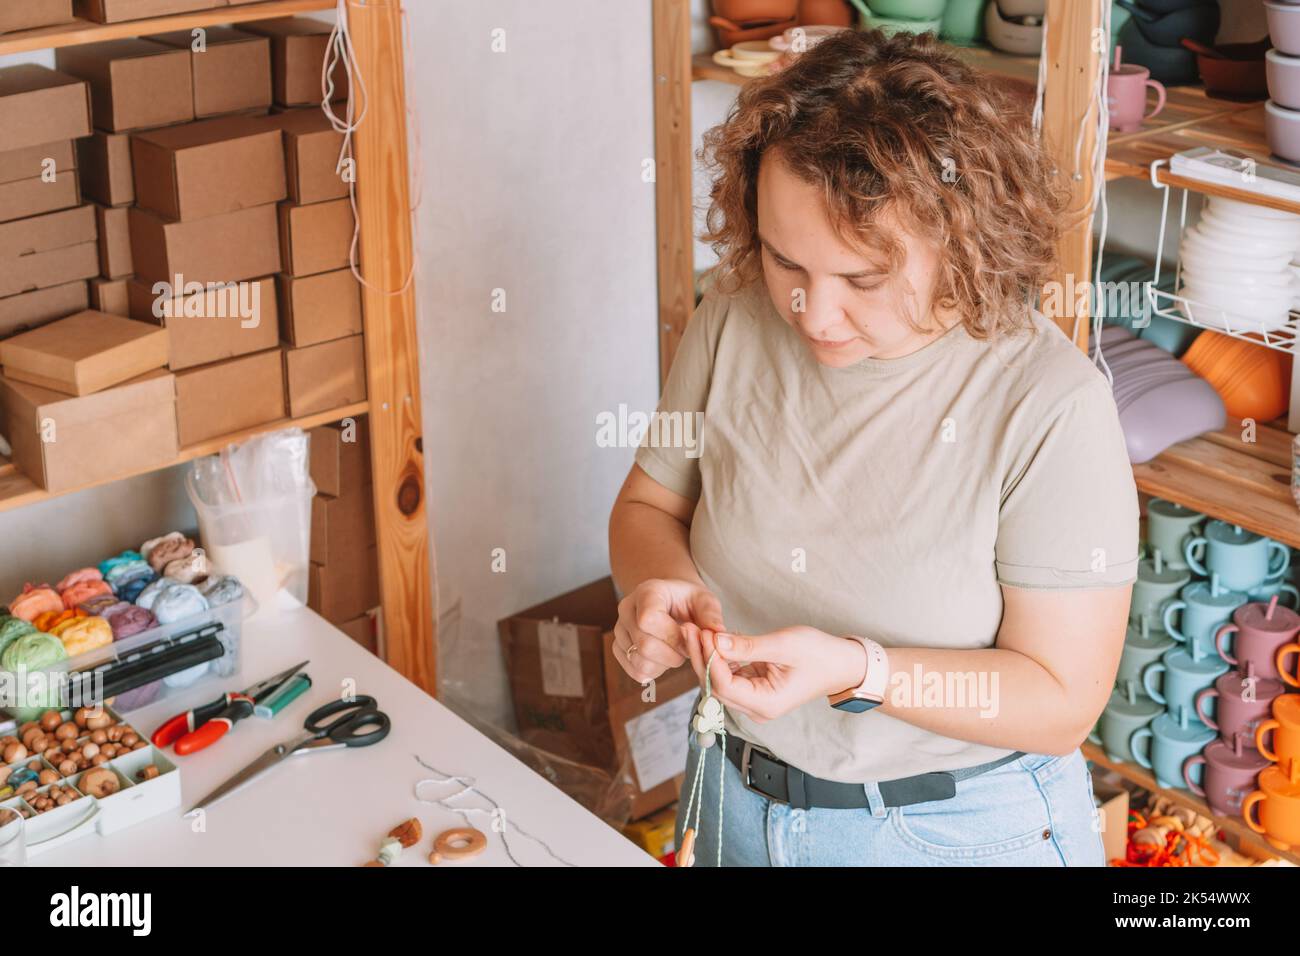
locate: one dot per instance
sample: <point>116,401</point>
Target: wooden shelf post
<point>392,353</point>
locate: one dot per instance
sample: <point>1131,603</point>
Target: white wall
<point>532,183</point>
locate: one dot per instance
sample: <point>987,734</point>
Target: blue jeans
<point>1034,811</point>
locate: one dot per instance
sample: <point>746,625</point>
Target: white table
<point>332,809</point>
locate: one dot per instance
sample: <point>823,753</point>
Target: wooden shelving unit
<point>84,31</point>
<point>392,363</point>
<point>1185,798</point>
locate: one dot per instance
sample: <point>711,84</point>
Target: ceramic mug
<point>1278,799</point>
<point>1156,583</point>
<point>1182,676</point>
<point>1284,725</point>
<point>1164,745</point>
<point>1125,712</point>
<point>1169,527</point>
<point>1203,607</point>
<point>1227,774</point>
<point>1240,703</point>
<point>1242,559</point>
<point>1126,97</point>
<point>1289,675</point>
<point>1258,633</point>
<point>1142,647</point>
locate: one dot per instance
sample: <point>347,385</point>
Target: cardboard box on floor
<point>319,308</point>
<point>298,48</point>
<point>212,325</point>
<point>47,251</point>
<point>33,14</point>
<point>30,309</point>
<point>231,72</point>
<point>134,83</point>
<point>31,161</point>
<point>114,241</point>
<point>227,248</point>
<point>36,197</point>
<point>325,376</point>
<point>115,11</point>
<point>572,698</point>
<point>208,168</point>
<point>84,353</point>
<point>110,295</point>
<point>345,588</point>
<point>340,457</point>
<point>1112,815</point>
<point>227,397</point>
<point>61,442</point>
<point>39,105</point>
<point>340,525</point>
<point>316,238</point>
<point>311,155</point>
<point>104,165</point>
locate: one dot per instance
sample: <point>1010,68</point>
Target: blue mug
<point>1204,607</point>
<point>1242,559</point>
<point>1180,676</point>
<point>1164,745</point>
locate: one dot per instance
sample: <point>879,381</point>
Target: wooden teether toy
<point>457,844</point>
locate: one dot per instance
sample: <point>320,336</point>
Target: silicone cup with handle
<point>1199,706</point>
<point>1283,652</point>
<point>1142,733</point>
<point>1160,97</point>
<point>1167,618</point>
<point>1255,797</point>
<point>1149,683</point>
<point>1277,547</point>
<point>1190,764</point>
<point>1221,642</point>
<point>1189,554</point>
<point>1261,731</point>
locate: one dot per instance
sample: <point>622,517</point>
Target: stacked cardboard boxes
<point>32,14</point>
<point>47,240</point>
<point>343,581</point>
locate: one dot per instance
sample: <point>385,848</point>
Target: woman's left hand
<point>765,676</point>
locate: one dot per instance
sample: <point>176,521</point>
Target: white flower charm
<point>708,721</point>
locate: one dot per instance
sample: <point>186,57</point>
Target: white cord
<point>467,786</point>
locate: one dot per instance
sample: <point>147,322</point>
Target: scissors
<point>359,723</point>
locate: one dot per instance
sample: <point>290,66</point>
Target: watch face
<point>856,705</point>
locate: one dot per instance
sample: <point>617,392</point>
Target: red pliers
<point>205,725</point>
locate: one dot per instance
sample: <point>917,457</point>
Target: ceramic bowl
<point>1283,73</point>
<point>1283,26</point>
<point>908,9</point>
<point>1276,230</point>
<point>1282,130</point>
<point>891,25</point>
<point>1011,36</point>
<point>1249,211</point>
<point>1224,307</point>
<point>1257,254</point>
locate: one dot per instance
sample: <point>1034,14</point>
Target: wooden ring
<point>459,843</point>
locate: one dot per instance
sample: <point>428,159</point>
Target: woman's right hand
<point>648,636</point>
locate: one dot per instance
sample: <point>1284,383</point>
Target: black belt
<point>776,780</point>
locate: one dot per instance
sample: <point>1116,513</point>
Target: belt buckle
<point>745,753</point>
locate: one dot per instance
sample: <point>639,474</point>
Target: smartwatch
<point>871,692</point>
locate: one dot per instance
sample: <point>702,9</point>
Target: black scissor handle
<point>356,714</point>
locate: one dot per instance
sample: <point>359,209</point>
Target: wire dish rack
<point>1282,336</point>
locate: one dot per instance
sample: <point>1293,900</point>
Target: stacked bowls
<point>1253,381</point>
<point>1237,266</point>
<point>1015,26</point>
<point>902,16</point>
<point>1282,67</point>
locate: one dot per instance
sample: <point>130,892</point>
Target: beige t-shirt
<point>889,499</point>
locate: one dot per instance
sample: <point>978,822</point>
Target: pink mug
<point>1126,97</point>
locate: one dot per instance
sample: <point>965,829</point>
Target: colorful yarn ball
<point>130,621</point>
<point>83,591</point>
<point>222,590</point>
<point>169,548</point>
<point>150,594</point>
<point>132,589</point>
<point>35,600</point>
<point>101,603</point>
<point>108,564</point>
<point>50,620</point>
<point>126,572</point>
<point>33,652</point>
<point>190,569</point>
<point>84,634</point>
<point>146,549</point>
<point>78,577</point>
<point>12,628</point>
<point>178,602</point>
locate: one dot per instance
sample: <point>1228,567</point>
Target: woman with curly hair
<point>907,538</point>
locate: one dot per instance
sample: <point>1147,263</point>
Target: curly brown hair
<point>897,123</point>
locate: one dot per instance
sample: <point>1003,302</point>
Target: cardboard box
<point>48,250</point>
<point>31,161</point>
<point>115,11</point>
<point>340,525</point>
<point>134,83</point>
<point>21,312</point>
<point>211,325</point>
<point>32,14</point>
<point>345,589</point>
<point>109,295</point>
<point>86,352</point>
<point>227,248</point>
<point>361,629</point>
<point>35,197</point>
<point>325,376</point>
<point>62,443</point>
<point>311,156</point>
<point>231,73</point>
<point>572,698</point>
<point>316,238</point>
<point>340,457</point>
<point>39,105</point>
<point>1112,814</point>
<point>298,48</point>
<point>208,168</point>
<point>319,308</point>
<point>114,241</point>
<point>229,396</point>
<point>104,164</point>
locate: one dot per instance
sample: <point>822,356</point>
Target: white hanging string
<point>340,55</point>
<point>468,787</point>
